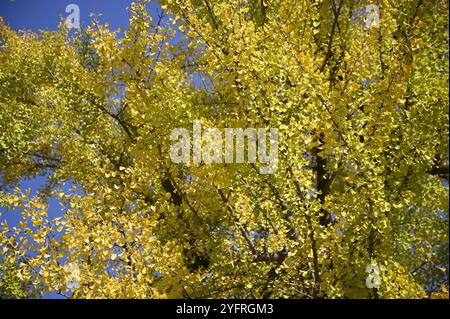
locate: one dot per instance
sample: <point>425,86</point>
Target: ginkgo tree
<point>362,113</point>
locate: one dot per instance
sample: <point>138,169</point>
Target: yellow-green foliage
<point>362,115</point>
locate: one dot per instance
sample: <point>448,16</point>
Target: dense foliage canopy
<point>362,113</point>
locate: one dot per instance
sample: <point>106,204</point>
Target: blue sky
<point>46,14</point>
<point>36,15</point>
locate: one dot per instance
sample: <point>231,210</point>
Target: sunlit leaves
<point>362,114</point>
